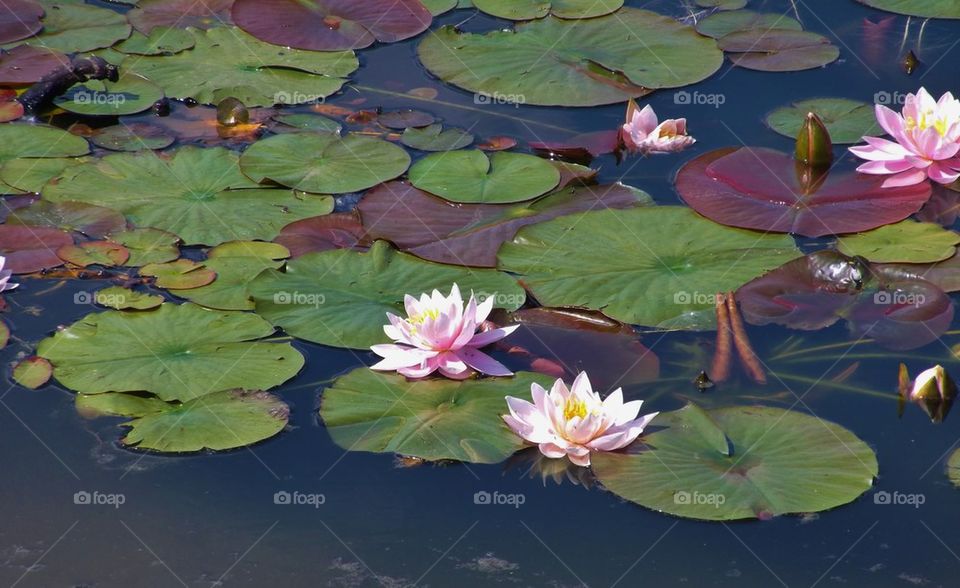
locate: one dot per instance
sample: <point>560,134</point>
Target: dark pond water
<point>212,520</point>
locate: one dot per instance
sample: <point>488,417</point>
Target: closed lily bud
<point>232,112</point>
<point>933,390</point>
<point>813,143</point>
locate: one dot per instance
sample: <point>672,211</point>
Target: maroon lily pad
<point>199,14</point>
<point>10,109</point>
<point>565,342</point>
<point>88,219</point>
<point>471,234</point>
<point>581,147</point>
<point>25,64</point>
<point>816,291</point>
<point>322,233</point>
<point>19,19</point>
<point>757,188</point>
<point>31,249</point>
<point>778,49</point>
<point>944,274</point>
<point>498,143</point>
<point>402,119</point>
<point>331,25</point>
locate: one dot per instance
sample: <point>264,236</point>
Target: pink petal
<point>552,450</point>
<point>885,167</point>
<point>493,335</point>
<point>482,362</point>
<point>907,178</point>
<point>398,356</point>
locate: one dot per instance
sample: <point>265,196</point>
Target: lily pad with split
<point>132,137</point>
<point>921,8</point>
<point>148,246</point>
<point>904,242</point>
<point>236,264</point>
<point>76,27</point>
<point>19,19</point>
<point>848,121</point>
<point>778,49</point>
<point>322,233</point>
<point>129,95</point>
<point>721,24</point>
<point>436,138</point>
<point>103,253</point>
<point>24,65</point>
<point>200,14</point>
<point>87,219</point>
<point>473,176</point>
<point>31,249</point>
<point>533,9</point>
<point>119,298</point>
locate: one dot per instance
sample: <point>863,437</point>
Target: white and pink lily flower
<point>642,133</point>
<point>5,275</point>
<point>926,142</point>
<point>440,334</point>
<point>574,422</point>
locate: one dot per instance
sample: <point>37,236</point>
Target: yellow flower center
<point>927,120</point>
<point>574,407</point>
<point>418,319</point>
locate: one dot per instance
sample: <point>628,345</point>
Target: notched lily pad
<point>778,49</point>
<point>848,121</point>
<point>90,253</point>
<point>322,233</point>
<point>236,264</point>
<point>31,249</point>
<point>148,246</point>
<point>475,177</point>
<point>76,27</point>
<point>723,23</point>
<point>436,138</point>
<point>32,372</point>
<point>87,219</point>
<point>182,274</point>
<point>903,242</point>
<point>119,298</point>
<point>532,9</point>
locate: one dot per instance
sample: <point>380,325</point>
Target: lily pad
<point>848,121</point>
<point>236,264</point>
<point>199,14</point>
<point>759,188</point>
<point>781,462</point>
<point>903,242</point>
<point>124,298</point>
<point>559,62</point>
<point>921,8</point>
<point>118,404</point>
<point>90,253</point>
<point>198,194</point>
<point>234,64</point>
<point>23,140</point>
<point>178,352</point>
<point>24,65</point>
<point>340,298</point>
<point>532,9</point>
<point>132,137</point>
<point>19,19</point>
<point>322,233</point>
<point>331,25</point>
<point>722,4</point>
<point>31,174</point>
<point>160,41</point>
<point>182,274</point>
<point>470,234</point>
<point>308,122</point>
<point>944,274</point>
<point>31,249</point>
<point>324,163</point>
<point>778,49</point>
<point>148,246</point>
<point>32,372</point>
<point>75,27</point>
<point>438,7</point>
<point>723,23</point>
<point>658,266</point>
<point>953,468</point>
<point>431,419</point>
<point>476,177</point>
<point>130,95</point>
<point>404,119</point>
<point>436,138</point>
<point>92,221</point>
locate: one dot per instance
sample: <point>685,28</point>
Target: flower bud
<point>814,147</point>
<point>933,389</point>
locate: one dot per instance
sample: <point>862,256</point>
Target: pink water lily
<point>575,422</point>
<point>5,276</point>
<point>926,142</point>
<point>642,133</point>
<point>440,334</point>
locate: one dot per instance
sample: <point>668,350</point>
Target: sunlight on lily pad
<point>475,177</point>
<point>74,27</point>
<point>904,242</point>
<point>236,263</point>
<point>774,462</point>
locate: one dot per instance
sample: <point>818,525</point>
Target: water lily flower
<point>643,134</point>
<point>5,276</point>
<point>439,334</point>
<point>575,422</point>
<point>933,389</point>
<point>926,142</point>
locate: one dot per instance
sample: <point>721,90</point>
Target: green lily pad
<point>658,266</point>
<point>921,8</point>
<point>559,62</point>
<point>778,462</point>
<point>436,138</point>
<point>148,246</point>
<point>723,23</point>
<point>953,468</point>
<point>438,7</point>
<point>234,64</point>
<point>90,253</point>
<point>532,9</point>
<point>130,95</point>
<point>118,404</point>
<point>904,242</point>
<point>160,41</point>
<point>308,122</point>
<point>178,352</point>
<point>848,121</point>
<point>132,137</point>
<point>236,264</point>
<point>476,177</point>
<point>431,419</point>
<point>778,49</point>
<point>324,163</point>
<point>30,174</point>
<point>341,297</point>
<point>92,221</point>
<point>198,194</point>
<point>32,372</point>
<point>182,274</point>
<point>119,298</point>
<point>722,4</point>
<point>221,420</point>
<point>200,14</point>
<point>41,141</point>
<point>75,27</point>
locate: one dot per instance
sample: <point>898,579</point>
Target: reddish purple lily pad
<point>816,291</point>
<point>19,19</point>
<point>88,219</point>
<point>778,49</point>
<point>945,274</point>
<point>581,147</point>
<point>199,14</point>
<point>31,249</point>
<point>402,119</point>
<point>25,64</point>
<point>758,188</point>
<point>322,233</point>
<point>10,109</point>
<point>331,25</point>
<point>470,234</point>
